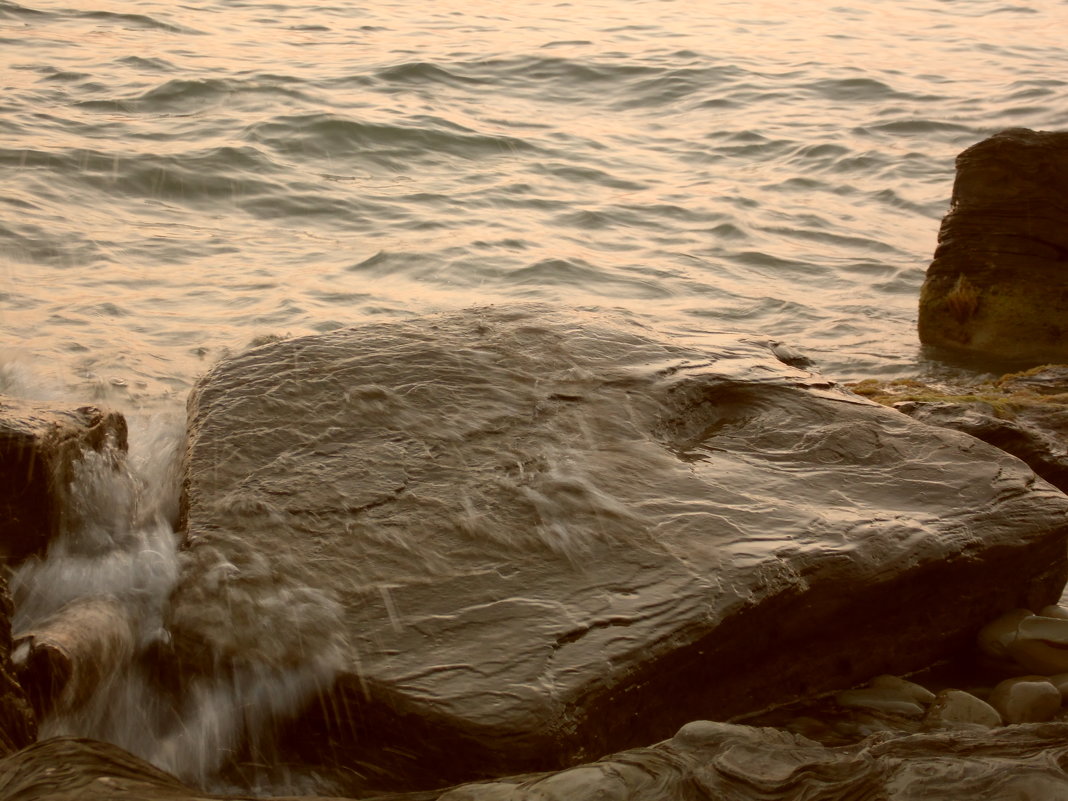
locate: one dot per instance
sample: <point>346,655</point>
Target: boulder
<point>513,539</point>
<point>18,725</point>
<point>39,445</point>
<point>998,284</point>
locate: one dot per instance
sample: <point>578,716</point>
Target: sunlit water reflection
<point>181,179</point>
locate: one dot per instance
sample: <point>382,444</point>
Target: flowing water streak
<point>101,589</point>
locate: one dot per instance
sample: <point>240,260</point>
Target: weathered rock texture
<point>998,285</point>
<point>39,443</point>
<point>703,760</point>
<point>1025,414</point>
<point>65,659</point>
<point>18,726</point>
<point>535,540</point>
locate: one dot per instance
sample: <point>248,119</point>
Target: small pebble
<point>880,700</point>
<point>908,689</point>
<point>1054,611</point>
<point>1026,699</point>
<point>1060,681</point>
<point>996,637</point>
<point>954,707</point>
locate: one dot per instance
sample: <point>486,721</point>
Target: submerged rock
<point>998,284</point>
<point>536,538</point>
<point>39,444</point>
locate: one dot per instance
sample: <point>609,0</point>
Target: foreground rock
<point>998,285</point>
<point>703,760</point>
<point>519,541</point>
<point>39,445</point>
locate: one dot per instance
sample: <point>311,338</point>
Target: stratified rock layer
<point>39,443</point>
<point>525,538</point>
<point>998,285</point>
<point>704,760</point>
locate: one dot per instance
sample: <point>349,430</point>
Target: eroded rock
<point>998,284</point>
<point>67,658</point>
<point>535,539</point>
<point>703,760</point>
<point>39,444</point>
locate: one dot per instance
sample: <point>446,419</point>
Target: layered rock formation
<point>998,285</point>
<point>518,540</point>
<point>39,444</point>
<point>702,760</point>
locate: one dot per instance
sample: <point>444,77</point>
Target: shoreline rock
<point>997,287</point>
<point>39,444</point>
<point>533,533</point>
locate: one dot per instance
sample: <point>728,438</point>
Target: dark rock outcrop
<point>39,444</point>
<point>998,285</point>
<point>521,541</point>
<point>18,725</point>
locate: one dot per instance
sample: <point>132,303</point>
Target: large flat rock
<point>519,538</point>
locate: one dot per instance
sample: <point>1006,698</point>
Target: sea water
<point>180,180</point>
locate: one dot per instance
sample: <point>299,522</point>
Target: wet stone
<point>39,445</point>
<point>997,287</point>
<point>514,539</point>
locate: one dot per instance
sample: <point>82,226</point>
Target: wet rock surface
<point>503,540</point>
<point>39,444</point>
<point>703,760</point>
<point>998,284</point>
<point>18,724</point>
<point>1025,414</point>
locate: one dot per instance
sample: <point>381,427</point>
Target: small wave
<point>136,20</point>
<point>910,127</point>
<point>333,136</point>
<point>550,275</point>
<point>855,89</point>
<point>222,173</point>
<point>672,85</point>
<point>588,175</point>
<point>9,10</point>
<point>153,64</point>
<point>182,95</point>
<point>421,72</point>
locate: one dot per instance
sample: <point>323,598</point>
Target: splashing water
<point>99,596</point>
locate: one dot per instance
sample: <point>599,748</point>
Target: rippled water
<point>179,179</point>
